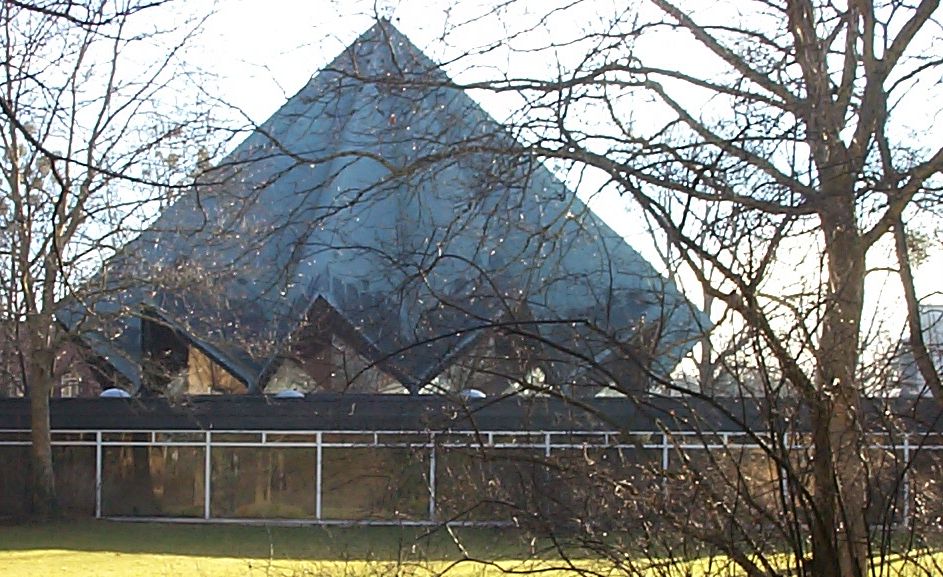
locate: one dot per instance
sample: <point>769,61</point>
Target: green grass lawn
<point>127,549</point>
<point>111,549</point>
<point>252,541</point>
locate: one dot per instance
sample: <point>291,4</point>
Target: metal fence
<point>402,477</point>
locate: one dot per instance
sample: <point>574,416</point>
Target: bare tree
<point>782,141</point>
<point>91,149</point>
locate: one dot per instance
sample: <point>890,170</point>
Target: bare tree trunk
<point>921,355</point>
<point>840,539</point>
<point>824,556</point>
<point>43,487</point>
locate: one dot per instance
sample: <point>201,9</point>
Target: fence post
<point>98,474</point>
<point>664,452</point>
<point>664,464</point>
<point>317,475</point>
<point>432,478</point>
<point>905,521</point>
<point>207,472</point>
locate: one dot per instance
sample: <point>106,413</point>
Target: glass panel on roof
<point>490,366</point>
<point>205,377</point>
<point>335,367</point>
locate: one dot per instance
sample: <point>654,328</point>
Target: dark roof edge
<point>363,412</point>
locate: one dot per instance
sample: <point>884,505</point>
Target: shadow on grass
<point>304,543</point>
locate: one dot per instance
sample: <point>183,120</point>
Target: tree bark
<point>43,487</point>
<point>840,534</point>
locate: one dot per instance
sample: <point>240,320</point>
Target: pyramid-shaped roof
<point>384,195</point>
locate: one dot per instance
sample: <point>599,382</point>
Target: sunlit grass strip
<point>123,550</point>
<point>65,563</point>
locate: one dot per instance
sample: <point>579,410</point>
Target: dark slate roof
<point>406,208</point>
<point>350,412</point>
